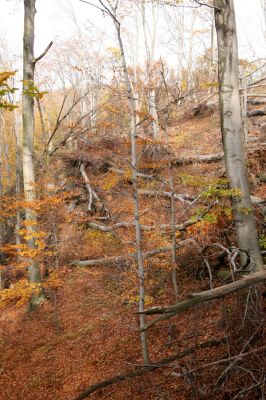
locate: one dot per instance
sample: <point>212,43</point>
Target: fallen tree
<point>146,369</point>
<point>256,102</point>
<point>202,297</point>
<point>205,158</point>
<point>184,198</point>
<point>257,113</point>
<point>118,259</point>
<point>126,257</point>
<point>208,158</point>
<point>162,227</point>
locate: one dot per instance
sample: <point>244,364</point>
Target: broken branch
<point>201,297</point>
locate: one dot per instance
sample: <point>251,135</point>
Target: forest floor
<point>88,331</point>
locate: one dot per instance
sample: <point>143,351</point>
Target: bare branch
<point>43,54</point>
<point>146,369</point>
<point>207,5</point>
<point>202,297</point>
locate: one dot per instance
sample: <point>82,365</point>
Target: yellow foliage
<point>102,242</point>
<point>19,292</point>
<point>110,180</point>
<point>5,75</point>
<point>53,281</point>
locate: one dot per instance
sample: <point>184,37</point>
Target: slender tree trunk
<point>232,133</point>
<point>28,133</point>
<point>44,133</point>
<point>173,231</point>
<point>141,274</point>
<point>18,175</point>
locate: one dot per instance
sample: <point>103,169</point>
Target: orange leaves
<point>54,281</point>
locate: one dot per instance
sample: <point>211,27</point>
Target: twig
<point>207,5</point>
<point>225,372</point>
<point>146,369</point>
<point>43,54</point>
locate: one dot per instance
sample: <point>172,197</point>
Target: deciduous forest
<point>132,202</point>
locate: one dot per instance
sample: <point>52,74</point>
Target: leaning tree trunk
<point>28,133</point>
<point>232,134</point>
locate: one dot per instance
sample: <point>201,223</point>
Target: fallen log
<point>184,198</point>
<point>202,297</point>
<point>139,175</point>
<point>205,158</point>
<point>257,200</point>
<point>262,178</point>
<point>256,102</point>
<point>257,113</point>
<point>162,227</point>
<point>118,259</point>
<point>123,258</point>
<point>146,369</point>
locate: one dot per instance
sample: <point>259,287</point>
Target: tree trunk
<point>246,230</point>
<point>18,175</point>
<point>28,133</point>
<point>132,108</point>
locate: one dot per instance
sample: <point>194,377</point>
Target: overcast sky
<point>53,23</point>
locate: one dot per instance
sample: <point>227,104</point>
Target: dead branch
<point>257,113</point>
<point>262,178</point>
<point>239,356</point>
<point>256,102</point>
<point>205,158</point>
<point>91,192</point>
<point>162,227</point>
<point>118,259</point>
<point>43,53</point>
<point>139,175</point>
<point>184,198</point>
<point>202,297</point>
<point>146,369</point>
<point>126,257</point>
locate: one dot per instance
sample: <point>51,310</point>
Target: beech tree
<point>28,131</point>
<point>232,134</point>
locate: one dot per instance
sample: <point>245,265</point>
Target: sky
<point>53,22</point>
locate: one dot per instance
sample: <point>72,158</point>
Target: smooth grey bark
<point>232,133</point>
<point>19,175</point>
<point>28,132</point>
<point>44,132</point>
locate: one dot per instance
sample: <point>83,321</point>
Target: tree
<point>245,224</point>
<point>111,10</point>
<point>28,138</point>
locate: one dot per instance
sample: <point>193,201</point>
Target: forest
<point>133,200</point>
